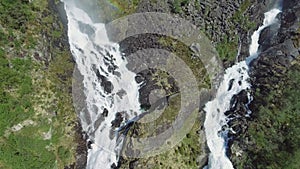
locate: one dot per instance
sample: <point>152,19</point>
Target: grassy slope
<point>275,133</point>
<point>34,87</point>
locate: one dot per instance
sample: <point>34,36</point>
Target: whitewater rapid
<point>110,88</point>
<point>216,122</point>
<point>101,64</point>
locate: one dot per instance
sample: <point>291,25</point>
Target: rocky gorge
<point>229,25</point>
<point>242,18</point>
<point>271,80</point>
<point>268,137</point>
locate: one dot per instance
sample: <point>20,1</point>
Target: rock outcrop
<point>279,47</point>
<point>230,23</point>
<point>224,22</point>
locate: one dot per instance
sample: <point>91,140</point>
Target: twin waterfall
<point>112,97</point>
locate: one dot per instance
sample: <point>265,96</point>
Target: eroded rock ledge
<point>280,49</point>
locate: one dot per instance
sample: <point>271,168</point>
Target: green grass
<point>25,148</point>
<point>15,91</point>
<point>183,155</point>
<point>276,128</point>
<point>15,13</point>
<point>227,49</point>
<point>177,5</point>
<point>33,89</point>
<point>293,162</point>
<point>121,7</point>
<point>20,152</point>
<point>186,54</point>
<point>240,18</point>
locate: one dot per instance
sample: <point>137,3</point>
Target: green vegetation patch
<point>227,49</point>
<point>37,119</point>
<point>155,127</point>
<point>185,155</point>
<point>19,152</point>
<point>193,62</point>
<point>113,9</point>
<point>276,130</point>
<point>15,14</point>
<point>15,91</point>
<point>126,7</point>
<point>241,19</point>
<point>178,4</point>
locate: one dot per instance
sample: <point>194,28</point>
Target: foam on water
<point>215,118</point>
<point>99,60</point>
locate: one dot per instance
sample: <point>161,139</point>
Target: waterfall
<point>234,81</point>
<point>112,97</point>
<point>111,92</point>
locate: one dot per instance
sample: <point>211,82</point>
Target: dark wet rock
<point>107,85</point>
<point>113,166</point>
<point>85,28</point>
<point>98,122</point>
<point>139,78</point>
<point>230,84</point>
<point>117,73</point>
<point>237,105</point>
<point>216,18</point>
<point>267,37</point>
<point>89,144</point>
<point>150,83</point>
<point>132,164</point>
<point>81,151</point>
<point>143,41</point>
<point>118,120</point>
<point>279,48</point>
<point>105,112</point>
<point>121,93</point>
<point>158,6</point>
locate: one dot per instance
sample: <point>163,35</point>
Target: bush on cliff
<point>276,130</point>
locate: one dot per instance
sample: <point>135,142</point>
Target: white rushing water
<point>215,109</point>
<point>97,59</point>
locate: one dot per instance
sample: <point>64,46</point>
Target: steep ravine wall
<point>227,23</point>
<point>272,77</point>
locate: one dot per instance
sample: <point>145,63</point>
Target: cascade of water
<point>110,88</point>
<point>111,91</point>
<point>234,81</point>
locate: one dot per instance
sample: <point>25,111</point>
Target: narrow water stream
<point>234,81</point>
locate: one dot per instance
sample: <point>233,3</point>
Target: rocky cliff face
<point>228,24</point>
<point>280,47</point>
